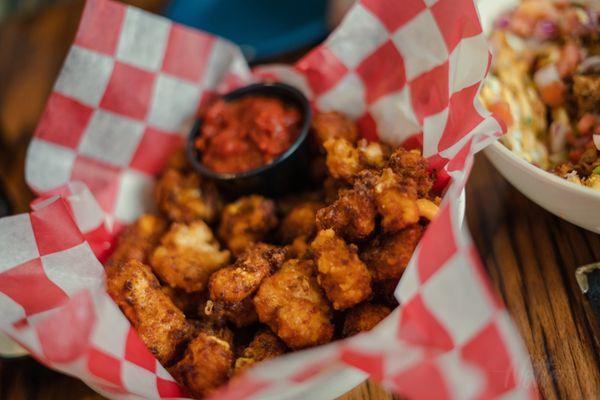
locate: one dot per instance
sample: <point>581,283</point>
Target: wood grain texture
<point>530,255</point>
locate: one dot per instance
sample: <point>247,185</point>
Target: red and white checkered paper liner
<point>405,70</point>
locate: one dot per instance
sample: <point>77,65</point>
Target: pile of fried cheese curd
<point>213,287</point>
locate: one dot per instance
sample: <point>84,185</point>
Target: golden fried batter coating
<point>367,180</point>
<point>234,283</point>
<point>178,160</point>
<point>428,209</point>
<point>232,287</point>
<point>343,276</point>
<point>373,154</point>
<point>185,197</point>
<point>329,125</point>
<point>138,240</point>
<point>239,314</point>
<point>300,221</point>
<point>351,216</point>
<point>397,209</point>
<point>388,255</point>
<point>394,197</point>
<point>247,221</point>
<point>264,346</point>
<point>299,248</point>
<point>205,365</point>
<point>412,169</point>
<point>343,159</point>
<point>292,304</point>
<point>187,256</point>
<point>363,318</point>
<point>161,326</point>
<point>213,328</point>
<point>396,204</point>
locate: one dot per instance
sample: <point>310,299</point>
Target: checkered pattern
<point>50,279</point>
<point>408,71</point>
<point>130,82</point>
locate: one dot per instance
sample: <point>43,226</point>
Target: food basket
<point>407,71</point>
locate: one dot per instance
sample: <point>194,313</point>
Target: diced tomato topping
<point>587,123</point>
<point>553,94</point>
<point>575,155</point>
<point>569,60</point>
<point>502,110</point>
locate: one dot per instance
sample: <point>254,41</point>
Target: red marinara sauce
<point>246,133</point>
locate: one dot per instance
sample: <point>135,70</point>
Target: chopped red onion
<point>502,23</point>
<point>546,75</point>
<point>558,136</point>
<point>592,18</point>
<point>545,29</point>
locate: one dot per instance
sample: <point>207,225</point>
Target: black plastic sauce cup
<point>287,173</point>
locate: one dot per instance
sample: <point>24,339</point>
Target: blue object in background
<point>263,28</point>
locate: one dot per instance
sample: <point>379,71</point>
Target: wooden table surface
<point>531,255</point>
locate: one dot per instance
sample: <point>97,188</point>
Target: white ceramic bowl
<point>574,203</point>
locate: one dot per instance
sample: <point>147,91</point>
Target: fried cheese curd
<point>341,172</point>
<point>411,168</point>
<point>394,189</point>
<point>247,221</point>
<point>299,248</point>
<point>178,161</point>
<point>138,240</point>
<point>396,203</point>
<point>363,318</point>
<point>338,255</point>
<point>187,256</point>
<point>346,159</point>
<point>161,326</point>
<point>342,275</point>
<point>373,154</point>
<point>293,305</point>
<point>231,288</point>
<point>240,314</point>
<point>300,222</point>
<point>343,159</point>
<point>183,196</point>
<point>387,255</point>
<point>352,215</point>
<point>265,346</point>
<point>330,125</point>
<point>205,365</point>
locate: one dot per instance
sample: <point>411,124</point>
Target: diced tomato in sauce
<point>246,133</point>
